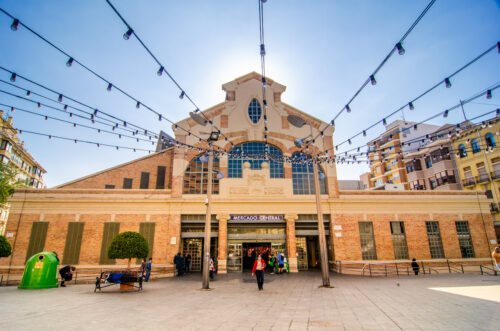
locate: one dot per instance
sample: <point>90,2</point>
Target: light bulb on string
<point>445,113</point>
<point>69,63</point>
<point>447,82</point>
<point>138,105</point>
<point>160,71</point>
<point>488,94</point>
<point>13,77</point>
<point>60,98</point>
<point>127,34</point>
<point>110,86</point>
<point>400,48</point>
<point>347,108</point>
<point>410,105</point>
<point>373,81</point>
<point>28,93</point>
<point>181,96</point>
<point>14,25</point>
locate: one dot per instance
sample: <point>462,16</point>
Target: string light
<point>372,80</point>
<point>447,82</point>
<point>347,108</point>
<point>13,77</point>
<point>181,96</point>
<point>127,34</point>
<point>14,24</point>
<point>410,105</point>
<point>488,94</point>
<point>138,105</point>
<point>110,86</point>
<point>60,98</point>
<point>445,113</point>
<point>160,71</point>
<point>400,49</point>
<point>28,93</point>
<point>69,63</point>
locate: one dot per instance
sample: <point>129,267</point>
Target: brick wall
<point>133,169</point>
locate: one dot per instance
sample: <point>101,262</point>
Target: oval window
<point>254,111</point>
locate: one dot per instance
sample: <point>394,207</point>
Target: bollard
<point>462,268</point>
<point>449,269</point>
<point>481,268</point>
<point>397,272</point>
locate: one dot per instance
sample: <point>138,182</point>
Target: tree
<point>5,247</point>
<point>8,182</point>
<point>128,245</point>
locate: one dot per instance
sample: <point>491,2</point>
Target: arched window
<point>475,146</point>
<point>254,111</point>
<point>490,139</point>
<point>303,176</point>
<point>196,176</point>
<point>255,153</point>
<point>462,151</point>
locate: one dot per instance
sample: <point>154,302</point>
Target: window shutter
<point>37,238</point>
<point>73,243</point>
<point>111,229</point>
<point>147,229</point>
<point>144,180</point>
<point>160,177</point>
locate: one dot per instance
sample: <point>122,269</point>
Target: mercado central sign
<point>272,218</point>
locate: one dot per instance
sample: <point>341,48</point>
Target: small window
<point>144,180</point>
<point>462,151</point>
<point>109,186</point>
<point>464,239</point>
<point>254,111</point>
<point>475,146</point>
<point>160,177</point>
<point>127,183</point>
<point>490,140</point>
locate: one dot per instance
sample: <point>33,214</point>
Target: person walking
<point>496,257</point>
<point>258,270</point>
<point>143,268</point>
<point>66,274</point>
<point>188,263</point>
<point>415,266</point>
<point>272,263</point>
<point>281,263</point>
<point>178,261</point>
<point>212,269</point>
<point>148,267</point>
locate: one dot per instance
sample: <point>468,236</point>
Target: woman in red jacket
<point>258,270</point>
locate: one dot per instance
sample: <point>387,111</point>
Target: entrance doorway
<point>252,250</point>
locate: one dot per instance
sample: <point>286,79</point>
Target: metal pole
<point>321,228</point>
<point>208,218</point>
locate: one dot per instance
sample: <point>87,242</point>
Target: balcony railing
<point>494,208</point>
<point>468,181</point>
<point>482,178</point>
<point>495,174</point>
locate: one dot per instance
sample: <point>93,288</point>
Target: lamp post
<point>214,136</point>
<point>299,122</point>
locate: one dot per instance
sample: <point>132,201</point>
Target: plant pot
<point>126,286</point>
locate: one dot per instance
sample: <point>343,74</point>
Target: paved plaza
<point>288,302</point>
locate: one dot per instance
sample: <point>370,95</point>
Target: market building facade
<point>263,199</point>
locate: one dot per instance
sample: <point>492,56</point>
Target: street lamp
<point>299,122</point>
<point>214,136</point>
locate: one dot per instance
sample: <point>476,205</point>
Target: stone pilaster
<point>290,242</point>
<point>222,255</point>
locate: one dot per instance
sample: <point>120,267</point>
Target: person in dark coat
<point>415,266</point>
<point>66,274</point>
<point>179,261</point>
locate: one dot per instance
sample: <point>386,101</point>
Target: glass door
<point>234,258</point>
<point>301,253</point>
<point>193,246</point>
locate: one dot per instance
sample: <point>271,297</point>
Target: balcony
<point>494,208</point>
<point>468,182</point>
<point>495,174</point>
<point>483,178</point>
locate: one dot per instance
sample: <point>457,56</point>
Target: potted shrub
<point>5,247</point>
<point>128,245</point>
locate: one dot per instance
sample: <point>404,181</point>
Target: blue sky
<point>321,50</point>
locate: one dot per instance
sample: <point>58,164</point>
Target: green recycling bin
<point>40,271</point>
